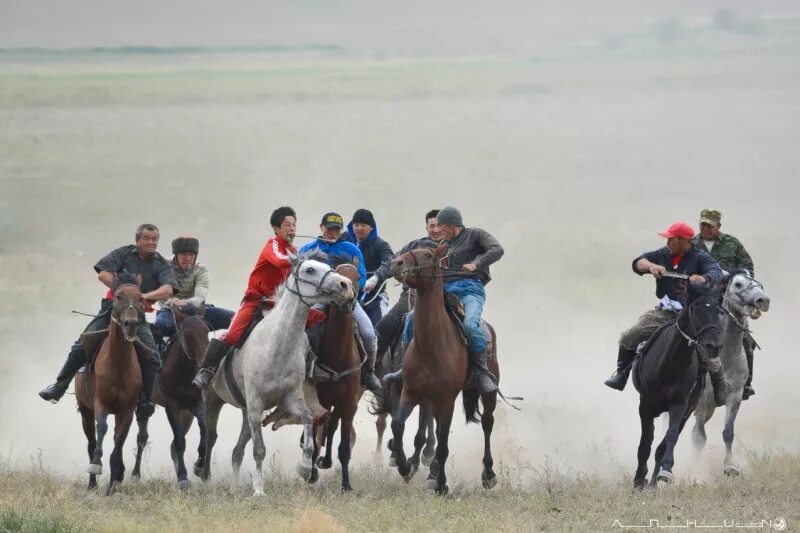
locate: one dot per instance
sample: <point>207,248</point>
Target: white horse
<point>744,297</point>
<point>269,369</point>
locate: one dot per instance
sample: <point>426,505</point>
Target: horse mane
<point>338,260</point>
<point>733,272</point>
<point>314,255</point>
<point>696,291</point>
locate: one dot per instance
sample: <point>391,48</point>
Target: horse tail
<point>472,408</point>
<point>379,405</point>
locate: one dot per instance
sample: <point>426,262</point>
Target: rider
<point>272,268</point>
<point>333,243</point>
<point>158,283</point>
<point>730,253</point>
<point>470,253</point>
<point>678,256</point>
<point>193,280</point>
<point>363,232</point>
<point>390,326</point>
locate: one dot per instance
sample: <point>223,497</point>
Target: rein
<point>317,286</point>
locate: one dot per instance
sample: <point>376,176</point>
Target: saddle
<point>455,309</point>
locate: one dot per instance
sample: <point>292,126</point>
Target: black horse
<point>668,373</point>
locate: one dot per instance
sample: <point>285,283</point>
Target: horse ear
<point>293,259</point>
<point>440,250</point>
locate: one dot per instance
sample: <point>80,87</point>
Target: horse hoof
<point>731,471</point>
<point>427,459</point>
<point>665,477</point>
<point>430,484</point>
<point>324,463</point>
<point>488,480</point>
<point>314,476</point>
<point>304,471</point>
<point>184,485</point>
<point>392,461</point>
<point>258,493</point>
<point>347,488</point>
<point>136,477</point>
<point>389,445</point>
<point>95,470</point>
<point>198,471</point>
<point>443,490</point>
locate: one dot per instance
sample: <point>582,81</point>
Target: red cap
<point>678,229</point>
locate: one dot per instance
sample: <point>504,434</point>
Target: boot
<point>146,407</point>
<point>75,360</point>
<point>211,360</point>
<point>620,377</point>
<point>748,386</point>
<point>397,376</point>
<point>368,378</point>
<point>721,387</point>
<point>483,379</point>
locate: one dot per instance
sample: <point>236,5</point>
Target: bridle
<point>696,342</point>
<point>119,305</point>
<point>416,270</point>
<point>751,283</point>
<point>319,291</point>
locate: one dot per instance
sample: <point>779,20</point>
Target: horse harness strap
<point>327,374</point>
<point>691,341</point>
<point>230,380</point>
<point>298,279</point>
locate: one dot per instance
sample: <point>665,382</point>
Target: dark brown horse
<point>113,383</point>
<point>181,400</point>
<point>340,361</point>
<point>435,368</point>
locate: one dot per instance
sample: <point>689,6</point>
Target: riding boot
<point>368,378</point>
<point>75,360</point>
<point>620,376</point>
<point>146,407</point>
<point>480,371</point>
<point>721,387</point>
<point>214,353</point>
<point>748,386</point>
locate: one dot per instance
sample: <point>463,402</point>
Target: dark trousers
<point>390,326</point>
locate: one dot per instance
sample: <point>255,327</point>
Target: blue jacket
<point>341,247</point>
<point>694,262</point>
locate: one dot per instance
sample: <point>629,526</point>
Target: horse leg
<point>212,404</point>
<point>326,462</point>
<point>732,409</point>
<point>254,411</point>
<point>295,404</point>
<point>122,425</point>
<point>420,437</point>
<point>405,409</point>
<point>201,448</point>
<point>101,425</point>
<point>141,443</point>
<point>664,464</point>
<point>442,450</point>
<point>344,446</point>
<point>702,415</point>
<point>88,429</point>
<point>178,446</point>
<point>488,477</point>
<point>429,451</point>
<point>645,444</point>
<point>238,451</point>
<point>380,426</point>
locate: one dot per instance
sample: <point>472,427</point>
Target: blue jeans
<point>472,296</point>
<point>216,317</point>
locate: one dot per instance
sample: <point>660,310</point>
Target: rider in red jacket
<point>272,269</point>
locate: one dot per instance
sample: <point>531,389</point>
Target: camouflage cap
<point>710,216</point>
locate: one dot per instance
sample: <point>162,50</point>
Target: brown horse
<point>181,400</point>
<point>339,390</point>
<point>113,383</point>
<point>435,368</point>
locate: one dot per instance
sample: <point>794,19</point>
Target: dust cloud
<point>573,134</point>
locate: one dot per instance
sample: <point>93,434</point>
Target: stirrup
<point>203,378</point>
<point>393,377</point>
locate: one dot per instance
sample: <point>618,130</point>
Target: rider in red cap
<point>679,256</point>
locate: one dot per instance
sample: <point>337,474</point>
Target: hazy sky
<point>478,25</point>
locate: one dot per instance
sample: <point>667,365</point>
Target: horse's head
<point>349,271</point>
<point>701,318</point>
<point>314,282</point>
<point>744,295</point>
<point>417,266</point>
<point>128,306</point>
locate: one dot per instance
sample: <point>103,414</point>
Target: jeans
<point>472,296</point>
<point>365,329</point>
<point>215,317</point>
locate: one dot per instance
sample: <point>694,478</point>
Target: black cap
<point>364,216</point>
<point>332,220</point>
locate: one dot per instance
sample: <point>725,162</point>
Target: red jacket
<point>272,269</point>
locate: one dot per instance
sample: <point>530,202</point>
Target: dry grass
<point>34,500</point>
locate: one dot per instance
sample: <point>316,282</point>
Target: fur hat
<point>183,245</point>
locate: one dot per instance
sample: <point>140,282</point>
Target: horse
<point>338,376</point>
<point>744,297</point>
<point>269,369</point>
<point>387,401</point>
<point>436,370</point>
<point>668,373</point>
<point>113,382</point>
<point>181,400</point>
